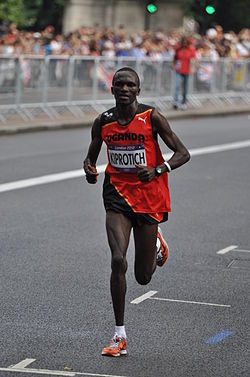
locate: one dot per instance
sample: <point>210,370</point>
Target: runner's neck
<point>125,114</point>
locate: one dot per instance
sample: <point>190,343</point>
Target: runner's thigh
<point>145,249</point>
<point>118,229</point>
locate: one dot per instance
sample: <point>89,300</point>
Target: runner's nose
<point>124,88</point>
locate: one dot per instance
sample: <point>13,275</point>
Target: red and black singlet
<point>134,143</point>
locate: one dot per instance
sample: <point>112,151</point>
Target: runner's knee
<point>142,278</point>
<point>119,264</point>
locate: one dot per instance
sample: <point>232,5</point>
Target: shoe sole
<point>121,353</point>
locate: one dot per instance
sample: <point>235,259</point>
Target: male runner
<point>135,189</point>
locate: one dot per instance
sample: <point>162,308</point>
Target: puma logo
<point>143,119</point>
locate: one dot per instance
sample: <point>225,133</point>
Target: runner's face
<point>125,87</point>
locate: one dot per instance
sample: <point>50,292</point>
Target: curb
<point>189,114</point>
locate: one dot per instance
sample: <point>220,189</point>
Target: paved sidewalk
<point>14,126</point>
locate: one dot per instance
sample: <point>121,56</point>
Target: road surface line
<point>40,371</point>
<point>189,302</point>
<point>97,375</point>
<point>40,180</point>
<point>143,297</point>
<point>243,251</point>
<point>220,148</point>
<point>44,179</point>
<point>227,249</point>
<point>55,372</point>
<point>10,186</point>
<point>23,363</point>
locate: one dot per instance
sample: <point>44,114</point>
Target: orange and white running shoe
<point>162,249</point>
<point>117,347</point>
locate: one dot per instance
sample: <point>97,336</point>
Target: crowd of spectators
<point>94,41</point>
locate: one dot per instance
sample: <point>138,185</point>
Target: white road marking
<point>220,148</point>
<point>190,302</point>
<point>143,297</point>
<point>97,375</point>
<point>54,372</point>
<point>243,251</point>
<point>149,295</point>
<point>39,371</point>
<point>46,179</point>
<point>227,249</point>
<point>40,180</point>
<point>23,363</point>
<point>10,186</point>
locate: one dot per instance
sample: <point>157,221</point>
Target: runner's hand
<point>145,174</point>
<point>91,173</point>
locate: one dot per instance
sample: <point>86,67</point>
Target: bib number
<point>124,157</point>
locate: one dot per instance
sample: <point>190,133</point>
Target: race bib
<point>124,157</point>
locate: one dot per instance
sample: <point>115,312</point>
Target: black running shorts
<point>113,201</point>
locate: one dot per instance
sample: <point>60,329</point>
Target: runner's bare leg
<point>118,231</point>
<point>145,236</point>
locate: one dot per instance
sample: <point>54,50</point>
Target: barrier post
<point>213,83</point>
<point>191,79</point>
<point>172,83</point>
<point>45,80</point>
<point>70,78</point>
<point>18,80</point>
<point>95,79</point>
<point>224,75</point>
<point>245,76</point>
<point>158,78</point>
<point>138,67</point>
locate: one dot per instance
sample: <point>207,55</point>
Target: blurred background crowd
<point>108,42</point>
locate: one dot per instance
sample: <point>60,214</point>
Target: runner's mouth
<point>123,96</point>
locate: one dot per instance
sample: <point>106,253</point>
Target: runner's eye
<point>120,84</point>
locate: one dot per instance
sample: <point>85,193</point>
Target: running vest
<point>133,144</point>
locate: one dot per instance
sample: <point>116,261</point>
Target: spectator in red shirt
<point>184,53</point>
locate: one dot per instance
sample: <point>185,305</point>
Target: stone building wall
<point>130,13</point>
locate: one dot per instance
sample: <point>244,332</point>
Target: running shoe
<point>162,249</point>
<point>117,347</point>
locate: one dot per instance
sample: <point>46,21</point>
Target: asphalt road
<point>55,307</point>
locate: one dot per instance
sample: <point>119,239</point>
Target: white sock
<point>158,245</point>
<point>120,331</point>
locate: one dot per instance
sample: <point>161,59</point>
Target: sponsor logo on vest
<point>127,136</point>
<point>108,115</point>
<point>142,119</point>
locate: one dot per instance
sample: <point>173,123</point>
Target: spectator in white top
<point>56,45</point>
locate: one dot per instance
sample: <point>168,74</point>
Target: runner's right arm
<point>89,164</point>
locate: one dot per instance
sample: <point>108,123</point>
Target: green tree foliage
<point>230,14</point>
<point>35,14</point>
<point>12,11</point>
<point>47,12</point>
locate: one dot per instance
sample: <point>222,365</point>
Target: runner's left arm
<point>180,156</point>
<point>162,127</point>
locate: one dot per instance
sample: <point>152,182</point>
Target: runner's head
<point>127,69</point>
<point>125,85</point>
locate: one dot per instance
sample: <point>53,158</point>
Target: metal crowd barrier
<point>56,86</point>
